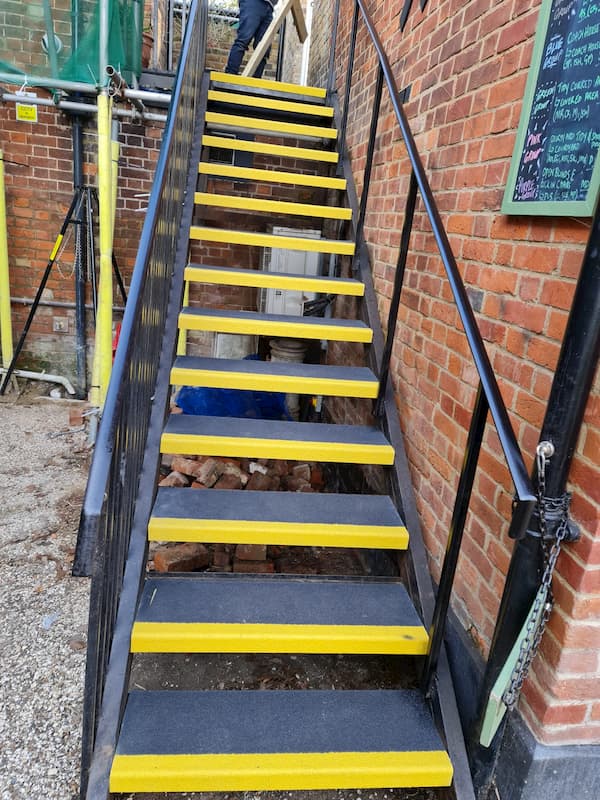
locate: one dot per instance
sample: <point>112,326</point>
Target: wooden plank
<point>299,21</point>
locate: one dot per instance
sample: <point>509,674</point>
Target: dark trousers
<point>255,18</point>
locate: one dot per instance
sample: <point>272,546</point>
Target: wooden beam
<point>299,22</point>
<point>276,23</point>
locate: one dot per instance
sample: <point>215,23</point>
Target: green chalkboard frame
<point>559,208</point>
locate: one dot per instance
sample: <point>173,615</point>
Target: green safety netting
<point>60,39</point>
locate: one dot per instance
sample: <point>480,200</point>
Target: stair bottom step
<point>274,772</point>
<point>277,740</point>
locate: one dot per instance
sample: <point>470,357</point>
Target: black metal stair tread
<point>273,94</point>
<point>242,428</point>
<point>291,721</point>
<point>267,114</point>
<point>297,129</point>
<point>230,106</point>
<point>278,600</point>
<point>228,272</point>
<point>248,505</point>
<point>218,313</point>
<point>265,87</point>
<point>275,368</point>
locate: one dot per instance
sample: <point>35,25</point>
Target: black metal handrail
<point>488,395</point>
<point>110,501</point>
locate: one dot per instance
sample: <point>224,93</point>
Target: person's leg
<point>260,32</point>
<point>250,19</point>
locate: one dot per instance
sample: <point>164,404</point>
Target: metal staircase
<point>281,739</point>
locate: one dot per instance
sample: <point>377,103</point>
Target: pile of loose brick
<point>216,473</point>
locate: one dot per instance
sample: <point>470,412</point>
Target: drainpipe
<point>81,240</point>
<point>80,257</point>
<point>280,52</point>
<point>569,394</point>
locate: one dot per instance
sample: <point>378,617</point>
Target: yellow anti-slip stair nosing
<point>254,123</point>
<point>275,327</point>
<point>270,103</point>
<point>272,206</point>
<point>270,175</point>
<point>247,447</point>
<point>192,637</point>
<point>218,379</point>
<point>269,85</point>
<point>266,148</point>
<point>272,240</point>
<point>313,534</point>
<point>270,280</point>
<point>279,771</point>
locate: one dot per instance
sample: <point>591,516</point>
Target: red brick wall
<point>467,65</point>
<point>23,26</point>
<point>39,189</point>
<point>320,42</point>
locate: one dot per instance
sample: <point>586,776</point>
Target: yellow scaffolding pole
<point>115,151</point>
<point>5,318</point>
<point>102,363</point>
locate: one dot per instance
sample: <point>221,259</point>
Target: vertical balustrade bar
<point>348,86</point>
<point>364,196</point>
<point>409,213</point>
<point>457,526</point>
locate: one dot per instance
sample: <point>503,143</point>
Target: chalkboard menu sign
<point>555,167</point>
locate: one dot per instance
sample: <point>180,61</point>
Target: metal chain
<point>544,601</point>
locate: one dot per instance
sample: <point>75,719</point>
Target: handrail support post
<point>457,526</point>
<point>409,213</point>
<point>364,195</point>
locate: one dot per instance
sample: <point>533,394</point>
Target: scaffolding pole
<point>5,318</point>
<point>102,363</point>
<point>89,108</point>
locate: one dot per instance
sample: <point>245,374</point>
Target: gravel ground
<point>43,466</point>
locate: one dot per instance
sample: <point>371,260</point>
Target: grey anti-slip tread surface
<point>275,601</point>
<point>243,504</point>
<point>290,721</point>
<point>191,425</point>
<point>253,316</point>
<point>275,368</point>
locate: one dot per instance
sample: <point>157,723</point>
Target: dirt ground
<point>43,467</point>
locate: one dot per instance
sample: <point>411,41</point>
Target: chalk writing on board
<point>562,138</point>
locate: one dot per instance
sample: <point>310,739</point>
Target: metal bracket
<point>554,512</point>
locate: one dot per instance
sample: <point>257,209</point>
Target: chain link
<point>544,600</point>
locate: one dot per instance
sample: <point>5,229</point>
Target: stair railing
<point>488,397</point>
<point>111,496</point>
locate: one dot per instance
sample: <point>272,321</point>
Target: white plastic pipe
<point>42,376</point>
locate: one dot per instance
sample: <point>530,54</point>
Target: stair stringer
<point>413,562</point>
<point>96,785</point>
